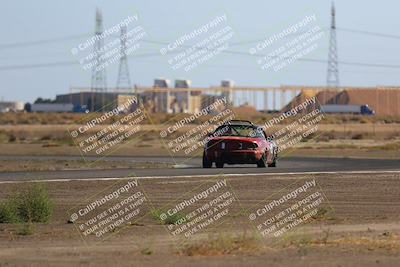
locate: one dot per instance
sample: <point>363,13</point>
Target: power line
<point>78,36</point>
<point>262,40</point>
<point>157,54</point>
<point>39,65</point>
<point>349,63</point>
<point>369,33</point>
<point>43,41</point>
<point>360,64</point>
<point>310,60</point>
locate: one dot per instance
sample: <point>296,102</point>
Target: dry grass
<point>54,165</point>
<point>392,146</point>
<point>158,118</point>
<point>355,138</point>
<point>59,133</point>
<point>230,244</point>
<point>222,244</point>
<point>382,242</point>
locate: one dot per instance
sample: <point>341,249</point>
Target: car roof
<point>239,122</point>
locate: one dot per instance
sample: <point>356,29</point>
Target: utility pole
<point>332,79</point>
<point>123,80</point>
<point>99,82</point>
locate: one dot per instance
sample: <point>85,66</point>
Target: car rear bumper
<point>234,156</point>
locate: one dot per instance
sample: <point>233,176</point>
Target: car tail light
<point>246,146</point>
<point>252,146</point>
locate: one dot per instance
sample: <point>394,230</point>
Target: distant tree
<point>40,100</point>
<point>27,107</point>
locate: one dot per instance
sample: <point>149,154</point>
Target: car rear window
<point>240,130</point>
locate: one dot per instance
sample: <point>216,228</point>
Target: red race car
<point>239,142</point>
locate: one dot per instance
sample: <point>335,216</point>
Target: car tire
<point>219,164</point>
<point>262,162</point>
<point>273,164</point>
<point>206,162</point>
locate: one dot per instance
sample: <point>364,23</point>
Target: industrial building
<point>52,107</point>
<point>383,100</point>
<point>11,106</point>
<point>95,101</point>
<point>160,98</point>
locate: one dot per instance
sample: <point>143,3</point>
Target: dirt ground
<point>357,225</point>
<point>11,165</point>
<point>360,140</point>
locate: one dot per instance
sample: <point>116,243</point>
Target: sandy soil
<point>11,165</point>
<point>155,148</point>
<point>360,227</point>
<point>332,140</point>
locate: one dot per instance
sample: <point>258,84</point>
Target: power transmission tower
<point>332,79</point>
<point>99,81</point>
<point>123,80</point>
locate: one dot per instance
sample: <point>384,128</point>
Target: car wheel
<point>273,164</point>
<point>206,162</point>
<point>261,163</point>
<point>219,164</point>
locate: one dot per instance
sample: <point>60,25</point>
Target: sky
<point>72,22</point>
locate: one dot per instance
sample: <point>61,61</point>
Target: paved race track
<point>192,167</point>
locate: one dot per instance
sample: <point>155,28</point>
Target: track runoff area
<point>282,198</point>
